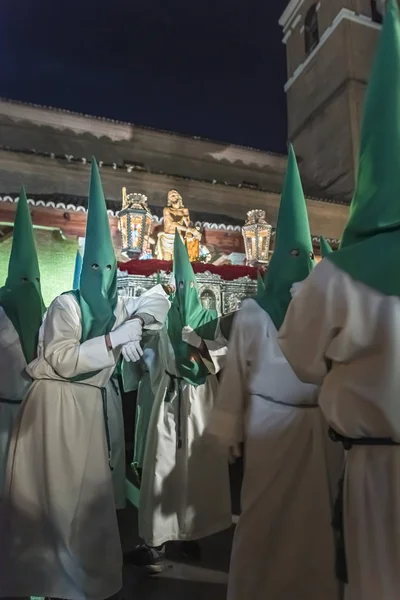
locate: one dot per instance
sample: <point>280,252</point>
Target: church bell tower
<point>330,45</point>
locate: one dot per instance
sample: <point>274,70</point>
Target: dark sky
<point>213,68</point>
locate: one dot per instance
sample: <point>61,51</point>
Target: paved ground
<point>205,580</point>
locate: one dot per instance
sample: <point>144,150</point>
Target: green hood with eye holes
<point>370,246</point>
<point>97,294</point>
<point>187,310</point>
<point>21,296</point>
<point>293,257</point>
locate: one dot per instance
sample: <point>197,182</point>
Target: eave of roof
<point>128,124</point>
<point>129,168</point>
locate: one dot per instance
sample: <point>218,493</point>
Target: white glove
<point>190,337</point>
<point>296,287</point>
<point>131,331</point>
<point>132,352</point>
<point>234,453</point>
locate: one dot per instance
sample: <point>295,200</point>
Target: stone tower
<point>329,46</point>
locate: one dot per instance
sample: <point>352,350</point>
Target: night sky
<point>210,68</point>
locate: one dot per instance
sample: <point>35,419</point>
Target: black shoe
<point>190,550</point>
<point>146,558</point>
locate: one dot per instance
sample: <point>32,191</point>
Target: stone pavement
<point>205,580</point>
<point>180,580</point>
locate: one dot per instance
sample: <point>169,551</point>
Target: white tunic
<point>336,320</point>
<point>185,492</point>
<point>14,384</point>
<point>59,536</point>
<point>283,547</point>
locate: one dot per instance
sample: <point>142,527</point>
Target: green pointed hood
<point>293,257</point>
<point>21,296</point>
<point>97,294</point>
<point>77,270</point>
<point>187,310</point>
<point>324,247</point>
<point>370,244</point>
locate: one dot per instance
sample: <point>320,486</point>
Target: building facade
<point>49,151</point>
<point>330,45</point>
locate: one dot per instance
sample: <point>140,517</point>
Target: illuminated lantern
<point>257,237</point>
<point>135,220</point>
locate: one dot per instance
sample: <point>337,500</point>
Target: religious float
<point>147,249</point>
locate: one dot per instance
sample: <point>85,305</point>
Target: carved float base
<point>215,292</point>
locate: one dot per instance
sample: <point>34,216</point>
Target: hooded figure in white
<point>342,331</point>
<point>21,313</point>
<point>283,547</point>
<point>58,532</point>
<point>185,491</point>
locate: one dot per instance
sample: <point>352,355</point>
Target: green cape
<point>187,310</point>
<point>21,296</point>
<point>293,257</point>
<point>97,293</point>
<point>370,245</point>
<point>324,247</point>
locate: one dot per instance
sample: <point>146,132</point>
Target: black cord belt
<point>348,443</point>
<point>288,404</point>
<point>6,401</point>
<point>175,384</point>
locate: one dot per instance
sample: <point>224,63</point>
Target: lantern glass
<point>257,237</point>
<point>135,226</point>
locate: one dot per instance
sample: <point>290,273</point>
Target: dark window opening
<point>311,29</point>
<point>377,10</point>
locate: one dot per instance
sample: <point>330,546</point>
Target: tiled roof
<point>79,204</point>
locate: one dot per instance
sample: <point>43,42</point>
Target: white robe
<point>336,320</point>
<point>14,384</point>
<point>185,492</point>
<point>59,534</point>
<point>283,547</point>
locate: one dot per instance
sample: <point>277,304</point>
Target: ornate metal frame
<point>228,294</point>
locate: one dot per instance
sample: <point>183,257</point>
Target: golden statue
<point>177,217</point>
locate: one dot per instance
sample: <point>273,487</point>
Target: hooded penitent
<point>187,310</point>
<point>370,247</point>
<point>293,258</point>
<point>97,294</point>
<point>21,296</point>
<point>324,247</point>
